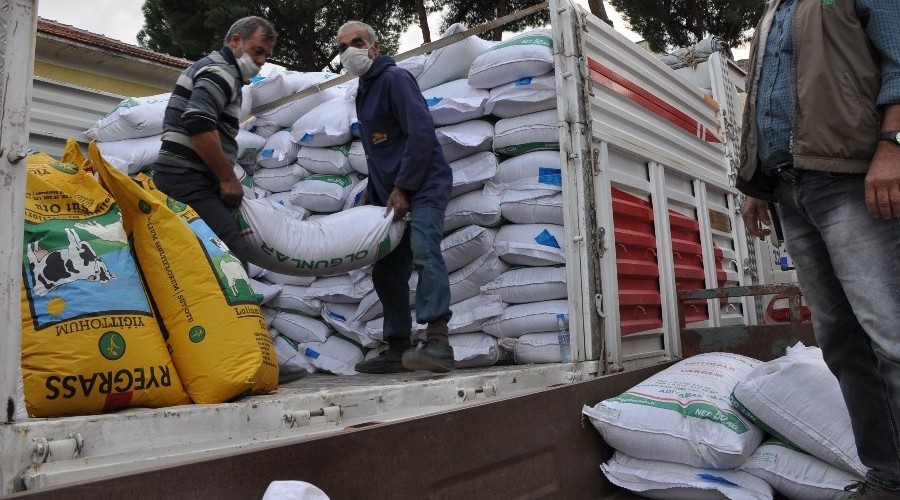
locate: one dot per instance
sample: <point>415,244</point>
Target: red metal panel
<point>640,300</point>
<point>687,253</point>
<point>617,83</point>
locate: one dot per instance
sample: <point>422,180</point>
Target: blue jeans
<point>848,264</point>
<point>420,248</point>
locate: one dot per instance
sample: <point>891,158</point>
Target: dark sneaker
<point>431,355</point>
<point>390,361</point>
<point>869,491</point>
<point>290,373</point>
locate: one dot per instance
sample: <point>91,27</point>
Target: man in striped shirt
<point>195,164</point>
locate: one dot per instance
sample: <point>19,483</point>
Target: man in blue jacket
<point>408,175</point>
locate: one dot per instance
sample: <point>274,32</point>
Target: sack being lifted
<point>334,244</point>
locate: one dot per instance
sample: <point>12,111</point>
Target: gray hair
<point>246,27</point>
<point>370,33</point>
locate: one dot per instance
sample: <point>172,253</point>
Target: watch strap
<point>891,135</point>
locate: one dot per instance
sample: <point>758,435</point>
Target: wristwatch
<point>892,136</point>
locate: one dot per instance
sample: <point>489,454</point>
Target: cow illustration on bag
<point>78,261</point>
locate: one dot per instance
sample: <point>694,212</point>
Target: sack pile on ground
<point>698,429</point>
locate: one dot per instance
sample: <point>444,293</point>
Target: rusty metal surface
<point>533,446</point>
<point>762,342</point>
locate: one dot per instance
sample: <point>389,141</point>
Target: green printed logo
<point>66,168</point>
<point>144,207</point>
<point>543,40</point>
<point>129,103</point>
<point>111,345</point>
<point>340,180</point>
<point>703,411</point>
<point>197,334</point>
<point>344,149</point>
<point>175,205</point>
<point>827,3</point>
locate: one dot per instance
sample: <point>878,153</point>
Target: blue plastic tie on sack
<point>311,353</point>
<point>715,479</point>
<point>336,316</point>
<point>552,176</point>
<point>266,153</point>
<point>521,82</point>
<point>434,101</point>
<point>547,239</point>
<point>307,137</point>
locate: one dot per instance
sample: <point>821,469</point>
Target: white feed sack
<point>266,291</point>
<point>337,355</point>
<point>131,156</point>
<point>414,65</point>
<point>798,475</point>
<point>537,171</point>
<point>471,313</point>
<point>534,209</point>
<point>245,180</point>
<point>544,347</point>
<point>531,244</point>
<point>339,316</point>
<point>371,307</point>
<point>462,247</point>
<point>524,55</point>
<point>340,289</point>
<point>293,299</point>
<point>455,102</point>
<point>531,132</point>
<point>453,61</point>
<point>335,244</point>
<point>529,284</point>
<point>286,279</point>
<point>471,173</point>
<point>286,351</point>
<point>474,350</point>
<point>535,317</point>
<point>523,96</point>
<point>797,399</point>
<point>133,118</point>
<point>278,151</point>
<point>284,199</point>
<point>467,282</point>
<point>263,128</point>
<point>249,145</point>
<point>332,160</point>
<point>280,179</point>
<point>673,481</point>
<point>357,158</point>
<point>268,88</point>
<point>301,328</point>
<point>356,197</point>
<point>323,193</point>
<point>328,124</point>
<point>285,115</point>
<point>683,414</point>
<point>472,208</point>
<point>465,139</point>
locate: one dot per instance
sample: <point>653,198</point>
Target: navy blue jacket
<point>398,138</point>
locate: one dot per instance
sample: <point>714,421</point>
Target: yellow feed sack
<point>217,337</point>
<point>90,340</point>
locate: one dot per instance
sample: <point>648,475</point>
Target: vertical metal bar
<point>665,258</point>
<point>707,247</point>
<point>18,24</point>
<point>794,300</point>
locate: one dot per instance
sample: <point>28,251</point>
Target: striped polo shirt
<point>206,97</point>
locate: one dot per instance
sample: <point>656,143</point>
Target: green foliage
<point>667,24</point>
<point>475,12</point>
<point>306,28</point>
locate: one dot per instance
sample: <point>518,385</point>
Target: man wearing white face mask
<point>408,175</point>
<point>195,164</point>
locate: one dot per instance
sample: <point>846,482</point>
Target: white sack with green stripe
<point>683,414</point>
<point>334,244</point>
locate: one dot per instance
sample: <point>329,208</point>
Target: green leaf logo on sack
<point>197,334</point>
<point>66,168</point>
<point>175,205</point>
<point>144,207</point>
<point>111,345</point>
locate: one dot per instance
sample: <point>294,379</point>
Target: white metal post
<point>18,24</point>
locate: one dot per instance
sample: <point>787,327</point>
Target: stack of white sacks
<point>721,425</point>
<point>494,108</point>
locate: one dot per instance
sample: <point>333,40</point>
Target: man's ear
<point>234,41</point>
<point>376,48</point>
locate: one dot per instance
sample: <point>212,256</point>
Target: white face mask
<point>247,66</point>
<point>357,61</point>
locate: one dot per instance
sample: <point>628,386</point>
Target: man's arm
<point>883,179</point>
<point>209,148</point>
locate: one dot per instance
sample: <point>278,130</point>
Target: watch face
<point>897,137</point>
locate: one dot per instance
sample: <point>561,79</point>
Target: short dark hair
<point>246,27</point>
